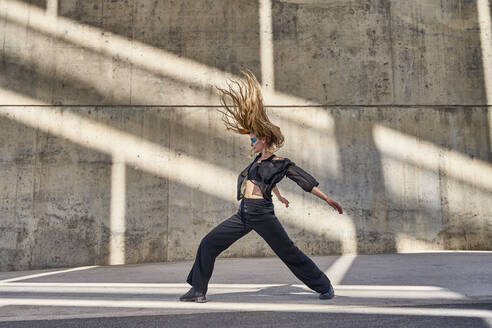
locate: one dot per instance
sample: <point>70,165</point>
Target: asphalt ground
<point>430,289</point>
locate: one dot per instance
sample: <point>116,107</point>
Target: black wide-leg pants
<point>257,214</point>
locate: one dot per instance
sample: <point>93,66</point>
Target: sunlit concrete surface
<point>132,165</point>
<point>179,168</point>
<point>112,153</point>
<point>435,286</point>
<point>183,78</point>
<point>323,52</point>
<point>366,93</point>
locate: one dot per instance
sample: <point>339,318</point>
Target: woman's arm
<point>316,191</point>
<point>276,192</point>
<point>280,198</point>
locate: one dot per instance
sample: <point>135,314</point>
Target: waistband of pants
<point>256,201</point>
<point>256,206</point>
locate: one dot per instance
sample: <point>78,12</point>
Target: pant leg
<point>271,230</point>
<point>214,243</point>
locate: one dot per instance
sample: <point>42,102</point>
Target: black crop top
<point>269,172</point>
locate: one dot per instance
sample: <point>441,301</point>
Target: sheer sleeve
<point>306,181</point>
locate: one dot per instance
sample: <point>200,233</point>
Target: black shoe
<point>327,295</point>
<point>193,296</point>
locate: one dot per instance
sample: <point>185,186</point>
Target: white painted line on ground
<point>45,274</point>
<point>391,287</point>
<point>219,286</point>
<point>362,291</point>
<point>235,306</point>
<point>443,251</point>
<point>141,285</point>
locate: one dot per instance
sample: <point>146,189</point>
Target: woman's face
<point>258,145</point>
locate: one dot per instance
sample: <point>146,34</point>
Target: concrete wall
<point>112,150</point>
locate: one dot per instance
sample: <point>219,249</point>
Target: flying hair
<point>247,114</point>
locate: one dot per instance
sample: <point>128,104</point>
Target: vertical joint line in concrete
<point>168,180</point>
<point>484,21</point>
<point>131,61</point>
<point>391,53</point>
<point>117,211</point>
<point>52,7</point>
<point>266,44</point>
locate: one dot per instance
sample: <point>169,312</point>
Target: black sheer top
<point>253,174</point>
<point>269,172</point>
<point>253,171</point>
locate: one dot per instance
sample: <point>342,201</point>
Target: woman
<point>254,186</point>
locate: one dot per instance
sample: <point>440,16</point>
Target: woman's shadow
<point>285,293</point>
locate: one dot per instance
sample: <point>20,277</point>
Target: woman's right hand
<point>284,200</point>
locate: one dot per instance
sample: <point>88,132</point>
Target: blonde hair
<point>248,113</point>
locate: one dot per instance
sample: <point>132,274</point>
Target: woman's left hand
<point>284,200</point>
<point>335,205</point>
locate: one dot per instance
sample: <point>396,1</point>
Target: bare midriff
<point>252,190</point>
